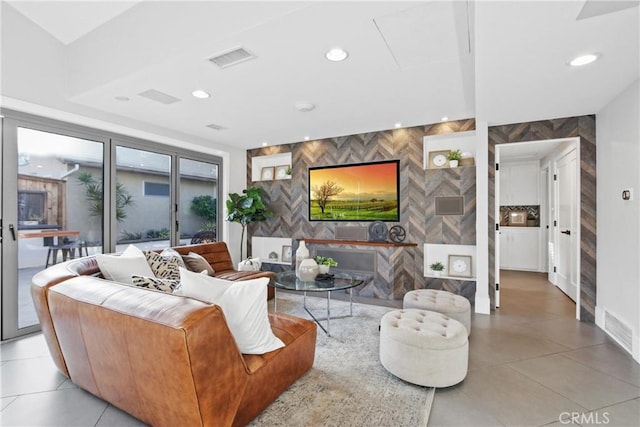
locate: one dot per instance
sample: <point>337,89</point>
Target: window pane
<point>144,219</point>
<point>198,201</point>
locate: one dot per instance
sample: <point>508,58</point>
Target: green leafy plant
<point>437,266</point>
<point>126,235</point>
<point>94,193</point>
<point>454,155</point>
<point>205,207</point>
<point>320,260</point>
<point>246,208</point>
<point>158,234</point>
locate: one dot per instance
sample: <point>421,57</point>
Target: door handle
<point>567,232</point>
<point>12,229</point>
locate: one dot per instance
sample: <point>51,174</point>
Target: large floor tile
<point>568,332</point>
<point>626,414</point>
<point>113,416</point>
<point>29,376</point>
<point>514,399</point>
<point>4,401</point>
<point>72,407</point>
<point>610,359</point>
<point>583,385</point>
<point>491,348</point>
<point>24,348</point>
<point>445,410</point>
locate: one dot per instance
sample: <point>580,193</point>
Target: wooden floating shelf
<point>356,243</point>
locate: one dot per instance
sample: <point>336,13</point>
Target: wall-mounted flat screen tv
<point>357,192</point>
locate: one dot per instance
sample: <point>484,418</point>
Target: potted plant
<point>453,157</point>
<point>324,263</point>
<point>437,268</point>
<point>246,208</point>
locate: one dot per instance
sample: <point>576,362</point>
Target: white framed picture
<point>459,265</point>
<point>281,172</point>
<point>267,173</point>
<point>286,253</point>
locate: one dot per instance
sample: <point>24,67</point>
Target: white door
<point>566,231</point>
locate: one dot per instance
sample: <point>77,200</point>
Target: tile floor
<point>530,364</point>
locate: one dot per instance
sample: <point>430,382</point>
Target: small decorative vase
<point>308,270</point>
<point>301,254</point>
<point>453,163</point>
<point>324,269</point>
<point>436,273</point>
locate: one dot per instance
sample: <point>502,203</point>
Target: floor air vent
<point>618,330</point>
<point>232,57</point>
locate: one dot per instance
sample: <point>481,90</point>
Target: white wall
<point>618,233</point>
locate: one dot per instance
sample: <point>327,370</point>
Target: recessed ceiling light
<point>444,119</point>
<point>199,93</point>
<point>265,143</point>
<point>336,54</point>
<point>305,107</point>
<point>306,138</point>
<point>398,125</point>
<point>122,98</point>
<point>583,60</point>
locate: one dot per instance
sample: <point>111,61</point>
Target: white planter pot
<point>436,273</point>
<point>453,163</point>
<point>324,269</point>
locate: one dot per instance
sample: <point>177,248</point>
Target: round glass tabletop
<point>288,280</point>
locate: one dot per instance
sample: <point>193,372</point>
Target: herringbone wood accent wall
<point>585,128</point>
<point>289,199</point>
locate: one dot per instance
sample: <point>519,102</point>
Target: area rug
<point>347,385</point>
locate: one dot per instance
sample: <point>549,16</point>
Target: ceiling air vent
<point>216,127</point>
<point>156,95</point>
<point>232,57</point>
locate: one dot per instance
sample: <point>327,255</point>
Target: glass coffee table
<point>340,281</point>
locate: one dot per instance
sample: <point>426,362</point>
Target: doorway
<point>537,221</point>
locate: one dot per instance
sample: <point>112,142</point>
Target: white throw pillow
<point>201,286</point>
<point>120,268</point>
<point>244,304</point>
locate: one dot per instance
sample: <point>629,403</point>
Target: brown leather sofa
<point>167,360</point>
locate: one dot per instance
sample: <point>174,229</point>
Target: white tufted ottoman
<point>452,305</point>
<point>423,347</point>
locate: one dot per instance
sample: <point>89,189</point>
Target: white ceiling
<point>409,62</point>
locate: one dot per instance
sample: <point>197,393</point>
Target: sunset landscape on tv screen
<point>359,192</point>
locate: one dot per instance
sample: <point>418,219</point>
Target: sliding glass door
<point>68,191</point>
<point>49,212</point>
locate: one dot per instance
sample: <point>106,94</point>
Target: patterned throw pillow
<point>164,285</point>
<point>164,266</point>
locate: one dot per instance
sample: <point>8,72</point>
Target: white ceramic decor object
<point>308,270</point>
<point>301,254</point>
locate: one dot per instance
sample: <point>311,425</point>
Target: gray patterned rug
<point>347,385</point>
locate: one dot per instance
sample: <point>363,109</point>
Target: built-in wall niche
<point>274,250</point>
<point>436,252</point>
<point>271,167</point>
<point>436,146</point>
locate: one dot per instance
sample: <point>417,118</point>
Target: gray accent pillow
<point>196,263</point>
